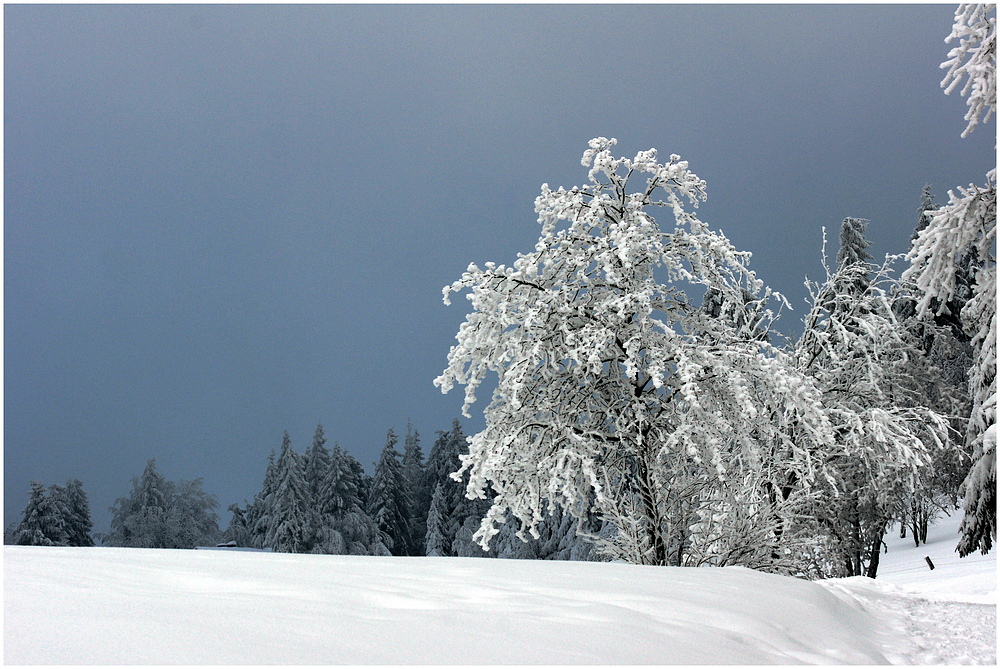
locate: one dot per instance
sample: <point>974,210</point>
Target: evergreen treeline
<point>322,501</point>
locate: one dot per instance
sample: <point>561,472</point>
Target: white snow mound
<point>135,606</point>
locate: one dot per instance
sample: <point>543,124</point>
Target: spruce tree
<point>317,465</point>
<point>162,514</point>
<point>419,495</point>
<point>141,519</point>
<point>434,545</point>
<point>259,512</point>
<point>388,503</point>
<point>238,531</point>
<point>289,526</point>
<point>79,524</point>
<point>42,522</point>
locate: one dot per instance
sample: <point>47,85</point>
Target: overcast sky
<point>225,222</point>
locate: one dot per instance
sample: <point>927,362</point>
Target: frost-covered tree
<point>162,514</point>
<point>974,59</point>
<point>968,222</point>
<point>853,243</point>
<point>344,527</point>
<point>290,527</point>
<point>871,374</point>
<point>454,508</point>
<point>617,392</point>
<point>388,502</point>
<point>558,540</point>
<point>57,517</point>
<point>42,523</point>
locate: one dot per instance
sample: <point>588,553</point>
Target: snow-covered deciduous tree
<point>617,392</point>
<point>162,514</point>
<point>974,59</point>
<point>871,373</point>
<point>967,224</point>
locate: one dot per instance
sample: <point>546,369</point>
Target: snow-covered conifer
<point>853,243</point>
<point>42,523</point>
<point>79,524</point>
<point>388,502</point>
<point>434,545</point>
<point>290,527</point>
<point>162,514</point>
<point>418,494</point>
<point>238,530</point>
<point>259,511</point>
<point>317,465</point>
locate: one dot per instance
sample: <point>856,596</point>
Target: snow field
<point>118,605</point>
<point>137,606</point>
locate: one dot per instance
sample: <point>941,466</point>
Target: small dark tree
<point>418,494</point>
<point>238,531</point>
<point>388,503</point>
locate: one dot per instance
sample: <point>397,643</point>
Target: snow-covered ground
<point>114,605</point>
<point>948,614</point>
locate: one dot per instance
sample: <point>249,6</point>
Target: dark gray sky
<point>222,222</point>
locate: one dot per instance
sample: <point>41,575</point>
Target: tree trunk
<point>653,530</point>
<point>876,551</point>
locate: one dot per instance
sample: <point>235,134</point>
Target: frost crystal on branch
<point>974,59</point>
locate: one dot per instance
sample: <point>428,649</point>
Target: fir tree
<point>42,522</point>
<point>434,545</point>
<point>259,512</point>
<point>418,494</point>
<point>388,503</point>
<point>317,465</point>
<point>161,514</point>
<point>140,520</point>
<point>339,490</point>
<point>79,524</point>
<point>238,531</point>
<point>289,526</point>
<point>924,213</point>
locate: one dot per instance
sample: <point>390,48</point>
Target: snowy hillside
<point>116,605</point>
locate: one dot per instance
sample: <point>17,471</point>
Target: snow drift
<point>137,606</point>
